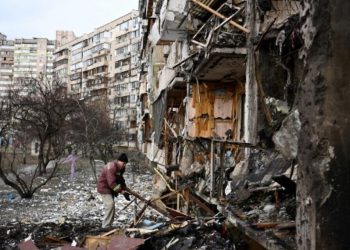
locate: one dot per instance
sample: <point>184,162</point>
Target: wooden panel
<point>223,107</point>
<point>211,101</point>
<point>204,127</point>
<point>221,126</point>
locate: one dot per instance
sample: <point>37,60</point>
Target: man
<point>110,183</point>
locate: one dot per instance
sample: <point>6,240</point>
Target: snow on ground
<point>62,200</point>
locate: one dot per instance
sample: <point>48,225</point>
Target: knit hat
<point>123,158</point>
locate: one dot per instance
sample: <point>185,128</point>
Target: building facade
<point>124,76</point>
<point>102,65</point>
<point>33,58</point>
<point>6,65</point>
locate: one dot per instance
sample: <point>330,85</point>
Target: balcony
<point>61,66</point>
<point>172,13</point>
<point>97,87</point>
<point>61,57</point>
<point>101,74</point>
<point>101,52</point>
<point>223,64</point>
<point>122,56</point>
<point>97,64</point>
<point>97,82</point>
<point>99,92</point>
<point>122,68</point>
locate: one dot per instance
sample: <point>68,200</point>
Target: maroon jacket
<point>111,178</point>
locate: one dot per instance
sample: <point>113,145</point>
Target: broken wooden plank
<point>164,179</point>
<point>111,232</point>
<point>148,202</point>
<point>93,242</point>
<point>233,23</point>
<point>228,19</point>
<point>126,206</point>
<point>177,214</point>
<point>195,199</point>
<point>264,225</point>
<point>138,216</point>
<point>198,43</point>
<point>258,236</point>
<point>286,225</point>
<point>171,129</point>
<point>208,21</point>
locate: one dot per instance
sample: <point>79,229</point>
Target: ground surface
<point>63,208</point>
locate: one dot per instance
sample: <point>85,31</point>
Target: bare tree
<point>93,131</point>
<point>40,112</point>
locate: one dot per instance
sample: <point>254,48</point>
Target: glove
<point>117,188</point>
<point>127,196</point>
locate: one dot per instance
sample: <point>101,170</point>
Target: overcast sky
<point>41,18</point>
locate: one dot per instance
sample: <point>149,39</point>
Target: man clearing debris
<point>110,183</point>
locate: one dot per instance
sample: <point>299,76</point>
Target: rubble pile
<point>47,235</point>
<point>64,209</point>
<point>195,235</point>
<point>66,213</point>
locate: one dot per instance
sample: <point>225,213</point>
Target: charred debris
<point>239,120</point>
<point>218,118</point>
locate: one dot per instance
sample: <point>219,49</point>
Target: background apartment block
<point>33,58</point>
<point>62,63</point>
<point>124,76</point>
<point>6,65</point>
<point>102,65</point>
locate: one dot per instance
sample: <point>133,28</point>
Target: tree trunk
<point>41,164</point>
<point>323,194</point>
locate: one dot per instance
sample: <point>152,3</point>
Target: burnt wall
<point>324,161</point>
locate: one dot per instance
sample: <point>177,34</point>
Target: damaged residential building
<point>219,118</point>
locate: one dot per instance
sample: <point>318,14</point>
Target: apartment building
<point>6,65</point>
<point>102,65</point>
<point>124,76</point>
<point>33,58</point>
<point>61,64</point>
